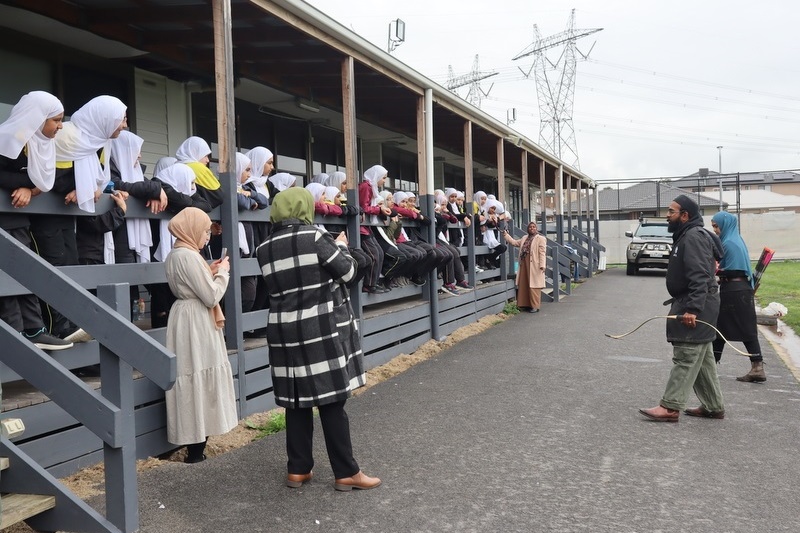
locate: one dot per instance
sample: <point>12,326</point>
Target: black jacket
<point>13,175</point>
<point>692,283</point>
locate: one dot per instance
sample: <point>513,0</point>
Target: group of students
<point>395,253</point>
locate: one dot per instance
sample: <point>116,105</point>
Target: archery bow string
<point>679,317</point>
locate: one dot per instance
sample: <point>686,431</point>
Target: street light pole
<point>720,177</point>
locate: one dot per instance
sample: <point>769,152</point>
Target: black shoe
<point>260,333</point>
<point>44,341</point>
<point>532,310</point>
<point>195,460</point>
<point>419,282</point>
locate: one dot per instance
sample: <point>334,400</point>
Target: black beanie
<point>688,205</point>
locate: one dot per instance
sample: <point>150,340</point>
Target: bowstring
<point>676,317</point>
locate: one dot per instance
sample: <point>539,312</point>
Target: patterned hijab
<point>526,246</point>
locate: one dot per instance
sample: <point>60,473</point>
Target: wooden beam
<point>422,153</point>
<point>501,172</point>
<point>223,75</point>
<point>525,200</point>
<point>469,184</point>
<point>349,117</point>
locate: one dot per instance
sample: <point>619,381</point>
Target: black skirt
<point>737,311</point>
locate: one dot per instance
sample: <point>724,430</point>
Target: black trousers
<point>373,250</point>
<point>752,347</point>
<point>335,427</point>
<point>55,241</point>
<point>21,312</point>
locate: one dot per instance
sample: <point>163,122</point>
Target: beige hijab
<point>189,228</point>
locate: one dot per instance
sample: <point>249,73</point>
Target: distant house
<point>646,199</point>
<point>779,182</point>
<point>761,202</point>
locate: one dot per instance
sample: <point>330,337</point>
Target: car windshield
<point>653,231</point>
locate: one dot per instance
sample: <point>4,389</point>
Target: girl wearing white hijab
<point>136,234</point>
<point>81,177</point>
<point>27,130</point>
<point>27,166</point>
<point>195,153</point>
<point>261,161</point>
<point>368,198</point>
<point>248,199</point>
<point>280,182</point>
<point>339,180</point>
<point>321,178</point>
<point>91,128</point>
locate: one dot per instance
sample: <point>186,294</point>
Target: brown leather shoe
<point>661,414</point>
<point>358,481</point>
<point>295,481</point>
<point>702,412</point>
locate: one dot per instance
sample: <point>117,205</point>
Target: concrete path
<point>531,426</point>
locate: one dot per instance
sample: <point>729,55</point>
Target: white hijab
<point>242,162</point>
<point>372,175</point>
<point>331,193</point>
<point>336,179</point>
<point>192,150</point>
<point>282,181</point>
<point>125,151</point>
<point>259,157</point>
<point>90,129</point>
<point>24,126</point>
<point>163,163</point>
<point>181,178</point>
<point>320,178</point>
<point>316,189</point>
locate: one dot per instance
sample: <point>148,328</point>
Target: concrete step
<point>19,507</point>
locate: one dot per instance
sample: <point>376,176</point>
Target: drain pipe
<point>433,291</point>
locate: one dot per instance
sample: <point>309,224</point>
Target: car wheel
<point>631,270</point>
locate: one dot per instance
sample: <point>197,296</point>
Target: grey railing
<point>109,414</point>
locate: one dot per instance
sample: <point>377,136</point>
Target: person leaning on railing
<point>83,148</point>
<point>27,168</point>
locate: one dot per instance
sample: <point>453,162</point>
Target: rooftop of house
<point>647,196</point>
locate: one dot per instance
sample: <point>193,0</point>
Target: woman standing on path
<point>202,402</point>
<point>737,310</point>
<point>532,263</point>
<point>314,347</point>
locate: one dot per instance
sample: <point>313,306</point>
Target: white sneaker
<point>78,335</point>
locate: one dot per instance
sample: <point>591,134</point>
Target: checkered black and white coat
<point>314,345</point>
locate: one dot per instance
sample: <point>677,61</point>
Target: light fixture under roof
<point>307,105</point>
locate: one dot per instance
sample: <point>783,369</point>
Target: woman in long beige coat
<point>532,263</point>
<point>202,402</point>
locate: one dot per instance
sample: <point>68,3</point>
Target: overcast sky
<point>665,84</point>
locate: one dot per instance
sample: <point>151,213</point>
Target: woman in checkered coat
<point>314,346</point>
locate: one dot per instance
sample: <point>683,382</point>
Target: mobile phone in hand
<point>224,253</point>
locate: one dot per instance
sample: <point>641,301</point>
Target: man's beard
<point>674,225</point>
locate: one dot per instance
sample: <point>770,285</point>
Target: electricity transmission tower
<point>473,79</point>
<point>555,87</point>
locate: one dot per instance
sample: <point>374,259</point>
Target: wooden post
<point>122,496</point>
<point>351,164</point>
<point>501,172</point>
<point>223,76</point>
<point>526,205</point>
<point>469,188</point>
<point>543,187</point>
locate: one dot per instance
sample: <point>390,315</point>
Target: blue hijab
<point>736,256</point>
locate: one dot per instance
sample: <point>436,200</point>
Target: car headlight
<point>635,246</point>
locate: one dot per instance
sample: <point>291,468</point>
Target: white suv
<point>650,246</point>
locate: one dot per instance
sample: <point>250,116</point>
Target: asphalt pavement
<point>529,426</point>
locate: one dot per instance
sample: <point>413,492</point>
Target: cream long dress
<point>202,402</point>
